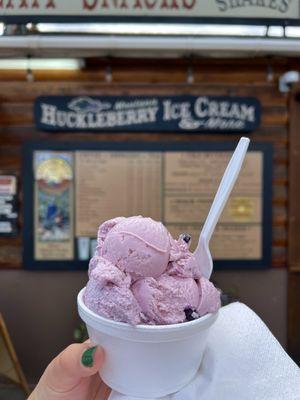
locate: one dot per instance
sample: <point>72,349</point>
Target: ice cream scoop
<point>139,274</point>
<point>164,300</point>
<point>138,246</point>
<point>182,262</point>
<point>108,294</point>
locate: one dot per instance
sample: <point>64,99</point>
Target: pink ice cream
<point>138,246</point>
<point>140,274</point>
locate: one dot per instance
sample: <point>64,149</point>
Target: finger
<point>76,362</point>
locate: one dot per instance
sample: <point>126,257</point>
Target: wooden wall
<point>257,78</point>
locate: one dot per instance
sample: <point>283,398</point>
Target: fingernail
<point>87,358</point>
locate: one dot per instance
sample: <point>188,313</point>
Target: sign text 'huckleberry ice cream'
<point>147,113</point>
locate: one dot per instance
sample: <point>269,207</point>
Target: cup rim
<point>206,319</point>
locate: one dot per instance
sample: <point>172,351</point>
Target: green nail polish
<point>87,358</point>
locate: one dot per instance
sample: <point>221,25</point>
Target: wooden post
<point>13,356</point>
<point>294,226</point>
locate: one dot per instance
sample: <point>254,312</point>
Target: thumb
<point>76,362</point>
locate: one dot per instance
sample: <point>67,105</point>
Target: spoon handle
<point>224,190</point>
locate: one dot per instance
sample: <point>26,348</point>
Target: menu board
<point>120,183</point>
<point>191,181</point>
<point>76,187</point>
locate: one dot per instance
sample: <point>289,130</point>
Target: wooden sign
<point>147,113</point>
<point>254,11</point>
<point>71,188</point>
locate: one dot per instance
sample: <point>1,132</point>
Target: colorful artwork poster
<point>53,205</point>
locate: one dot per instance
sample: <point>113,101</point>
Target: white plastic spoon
<point>202,252</point>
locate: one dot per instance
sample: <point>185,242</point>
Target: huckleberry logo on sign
<point>147,113</point>
<point>86,104</point>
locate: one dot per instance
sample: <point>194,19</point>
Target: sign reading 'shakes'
<point>147,113</point>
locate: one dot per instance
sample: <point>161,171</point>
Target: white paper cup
<point>147,360</point>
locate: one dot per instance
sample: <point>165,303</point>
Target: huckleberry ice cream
<point>139,274</point>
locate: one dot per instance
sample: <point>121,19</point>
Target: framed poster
<point>53,211</point>
<point>71,188</point>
